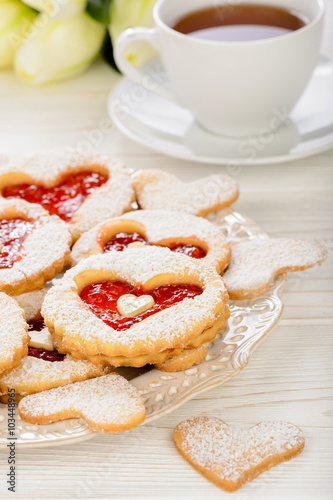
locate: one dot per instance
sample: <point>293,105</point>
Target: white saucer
<point>168,128</point>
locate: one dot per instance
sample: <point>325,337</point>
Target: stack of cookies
<point>143,286</point>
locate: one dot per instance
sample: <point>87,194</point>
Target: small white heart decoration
<point>130,306</point>
<point>42,340</point>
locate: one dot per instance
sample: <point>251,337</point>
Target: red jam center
<point>13,232</point>
<point>37,352</point>
<point>62,200</point>
<point>121,240</point>
<point>102,298</point>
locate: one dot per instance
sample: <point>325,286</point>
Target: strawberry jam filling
<point>102,298</point>
<point>121,240</point>
<point>62,200</point>
<point>37,352</point>
<point>13,232</point>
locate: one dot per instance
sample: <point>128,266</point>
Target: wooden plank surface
<point>290,375</point>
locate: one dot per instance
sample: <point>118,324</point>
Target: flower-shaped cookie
<point>183,233</point>
<point>81,188</point>
<point>255,263</point>
<point>13,334</point>
<point>139,306</point>
<point>34,246</point>
<point>156,189</point>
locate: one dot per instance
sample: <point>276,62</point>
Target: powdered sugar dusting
<point>49,168</point>
<point>13,333</point>
<point>162,225</point>
<point>106,401</point>
<point>44,250</point>
<point>36,375</point>
<point>81,330</point>
<point>255,263</point>
<point>159,189</point>
<point>31,302</point>
<point>229,452</point>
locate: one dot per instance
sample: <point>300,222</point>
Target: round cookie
<point>190,307</point>
<point>183,233</point>
<point>13,334</point>
<point>81,187</point>
<point>156,189</point>
<point>34,246</point>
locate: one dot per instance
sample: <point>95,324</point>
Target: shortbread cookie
<point>183,233</point>
<point>106,404</point>
<point>81,309</point>
<point>31,302</point>
<point>255,263</point>
<point>82,188</point>
<point>13,334</point>
<point>44,368</point>
<point>158,189</point>
<point>229,456</point>
<point>34,246</point>
<point>184,361</point>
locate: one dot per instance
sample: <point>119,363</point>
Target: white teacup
<point>232,88</point>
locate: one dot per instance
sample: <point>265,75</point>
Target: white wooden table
<point>290,374</point>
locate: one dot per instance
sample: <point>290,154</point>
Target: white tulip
<point>58,49</point>
<point>58,9</point>
<point>15,20</point>
<point>127,14</point>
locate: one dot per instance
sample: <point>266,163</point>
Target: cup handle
<point>140,75</point>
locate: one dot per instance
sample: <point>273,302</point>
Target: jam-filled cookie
<point>44,367</point>
<point>183,233</point>
<point>139,306</point>
<point>81,188</point>
<point>13,334</point>
<point>34,246</point>
<point>158,189</point>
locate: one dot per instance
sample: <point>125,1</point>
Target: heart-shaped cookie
<point>230,457</point>
<point>130,305</point>
<point>157,189</point>
<point>107,404</point>
<point>255,263</point>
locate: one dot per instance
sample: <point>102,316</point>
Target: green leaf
<point>100,10</point>
<point>108,52</point>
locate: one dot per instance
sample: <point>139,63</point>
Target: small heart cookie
<point>130,305</point>
<point>255,263</point>
<point>157,189</point>
<point>230,457</point>
<point>107,404</point>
